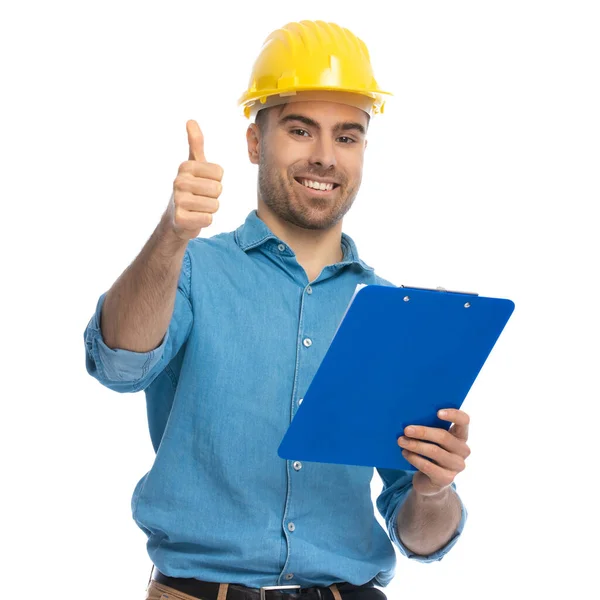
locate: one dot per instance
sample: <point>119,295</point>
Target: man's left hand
<point>446,449</point>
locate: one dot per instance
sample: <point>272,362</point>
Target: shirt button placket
<point>297,465</point>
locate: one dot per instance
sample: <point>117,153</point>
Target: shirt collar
<point>254,232</point>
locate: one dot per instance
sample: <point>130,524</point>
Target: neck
<point>314,248</point>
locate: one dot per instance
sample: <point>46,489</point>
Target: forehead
<point>324,113</point>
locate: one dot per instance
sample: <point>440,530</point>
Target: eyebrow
<point>343,126</point>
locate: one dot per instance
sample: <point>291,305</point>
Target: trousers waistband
<point>206,590</point>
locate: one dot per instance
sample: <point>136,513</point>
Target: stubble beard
<point>278,194</point>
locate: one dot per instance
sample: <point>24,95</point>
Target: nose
<point>323,153</point>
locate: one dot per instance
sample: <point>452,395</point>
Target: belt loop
<point>223,587</point>
<point>335,592</point>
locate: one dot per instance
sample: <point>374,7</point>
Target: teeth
<point>326,187</point>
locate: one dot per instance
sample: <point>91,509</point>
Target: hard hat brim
<point>370,102</point>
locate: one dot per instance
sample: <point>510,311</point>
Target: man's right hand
<point>196,190</point>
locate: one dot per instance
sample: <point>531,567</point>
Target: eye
<point>346,140</point>
<point>299,132</point>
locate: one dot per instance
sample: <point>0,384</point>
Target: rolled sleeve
<point>127,371</point>
<point>438,554</point>
<point>117,365</point>
<point>396,487</point>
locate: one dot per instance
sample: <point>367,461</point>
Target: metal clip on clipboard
<point>438,289</point>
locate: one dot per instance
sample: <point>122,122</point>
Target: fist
<point>196,190</point>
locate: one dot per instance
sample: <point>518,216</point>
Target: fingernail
<point>410,430</point>
<point>443,413</point>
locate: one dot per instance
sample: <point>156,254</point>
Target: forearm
<point>427,523</point>
<point>139,306</point>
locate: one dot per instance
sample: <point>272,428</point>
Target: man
<point>224,335</point>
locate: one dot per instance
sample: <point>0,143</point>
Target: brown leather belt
<point>205,590</point>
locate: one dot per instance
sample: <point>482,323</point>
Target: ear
<point>253,139</point>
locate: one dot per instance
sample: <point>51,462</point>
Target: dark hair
<point>262,115</point>
<point>260,118</point>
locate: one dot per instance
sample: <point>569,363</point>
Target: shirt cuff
<point>438,554</point>
<point>116,365</point>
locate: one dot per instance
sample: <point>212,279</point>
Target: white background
<point>482,175</point>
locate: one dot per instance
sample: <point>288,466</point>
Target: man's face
<point>308,145</point>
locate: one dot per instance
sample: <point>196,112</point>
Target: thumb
<point>195,141</point>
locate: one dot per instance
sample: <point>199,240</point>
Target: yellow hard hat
<point>312,56</point>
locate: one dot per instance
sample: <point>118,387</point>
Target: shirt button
<point>307,342</point>
<point>289,576</point>
<point>297,465</point>
<point>281,247</point>
<point>300,401</point>
<point>309,290</point>
<point>291,527</point>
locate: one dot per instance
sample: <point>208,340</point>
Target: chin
<point>316,219</point>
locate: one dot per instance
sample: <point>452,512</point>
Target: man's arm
<point>425,524</point>
<point>138,307</point>
<point>424,514</point>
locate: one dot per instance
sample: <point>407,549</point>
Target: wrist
<point>440,497</point>
<point>167,237</point>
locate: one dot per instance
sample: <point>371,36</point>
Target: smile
<point>318,186</point>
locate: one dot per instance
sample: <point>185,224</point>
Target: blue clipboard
<point>399,355</point>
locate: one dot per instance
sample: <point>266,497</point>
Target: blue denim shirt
<point>218,503</point>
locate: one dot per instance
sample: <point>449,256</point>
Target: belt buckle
<point>270,588</point>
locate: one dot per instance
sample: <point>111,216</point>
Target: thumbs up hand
<point>196,190</point>
<point>195,141</point>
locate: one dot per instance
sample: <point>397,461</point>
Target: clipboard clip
<point>438,289</point>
